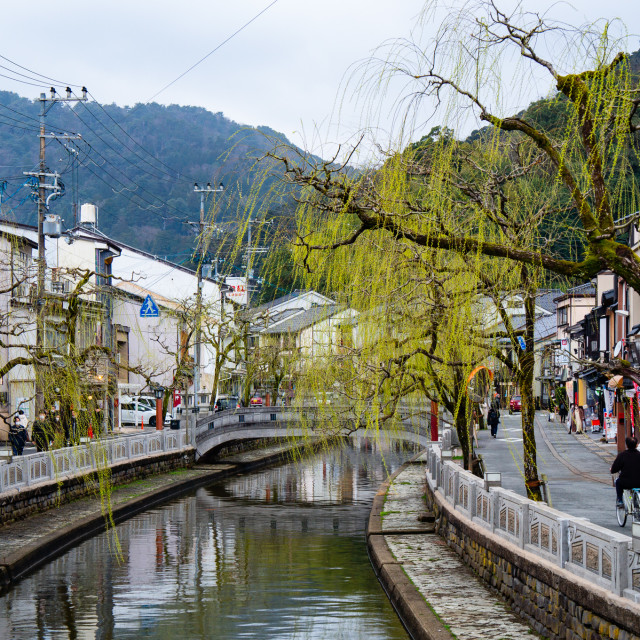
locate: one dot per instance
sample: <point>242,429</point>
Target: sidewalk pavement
<point>412,557</point>
<point>576,465</point>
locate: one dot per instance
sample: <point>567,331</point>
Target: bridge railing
<point>594,553</point>
<point>24,471</point>
<point>278,417</point>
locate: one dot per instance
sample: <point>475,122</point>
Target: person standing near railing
<point>628,464</point>
<point>17,436</point>
<point>40,432</point>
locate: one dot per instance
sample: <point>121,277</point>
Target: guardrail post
<point>456,487</point>
<point>620,575</point>
<point>494,499</point>
<point>524,525</point>
<point>473,487</point>
<point>563,542</point>
<point>26,470</point>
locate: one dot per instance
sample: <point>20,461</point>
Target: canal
<point>278,553</point>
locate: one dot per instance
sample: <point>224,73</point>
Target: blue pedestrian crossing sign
<point>149,308</point>
<point>523,344</point>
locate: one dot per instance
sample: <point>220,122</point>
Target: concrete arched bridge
<point>218,429</point>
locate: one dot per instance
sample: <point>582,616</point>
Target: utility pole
<point>42,207</point>
<point>197,351</point>
<point>251,251</point>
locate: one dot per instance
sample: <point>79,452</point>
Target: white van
<point>139,408</point>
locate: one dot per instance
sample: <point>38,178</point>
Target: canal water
<point>278,553</point>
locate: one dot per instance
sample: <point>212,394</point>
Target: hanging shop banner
<point>610,429</point>
<point>570,392</point>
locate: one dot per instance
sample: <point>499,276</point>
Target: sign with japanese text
<point>238,291</point>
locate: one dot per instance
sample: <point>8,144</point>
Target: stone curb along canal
<point>436,595</point>
<point>411,607</point>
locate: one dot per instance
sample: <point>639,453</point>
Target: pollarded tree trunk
<point>462,417</point>
<point>462,429</point>
<point>526,362</point>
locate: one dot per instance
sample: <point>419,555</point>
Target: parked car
<point>138,408</point>
<point>515,404</point>
<point>256,401</point>
<point>224,403</point>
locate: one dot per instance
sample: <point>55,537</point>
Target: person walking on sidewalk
<point>493,419</point>
<point>563,412</point>
<point>628,464</point>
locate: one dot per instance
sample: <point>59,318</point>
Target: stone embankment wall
<point>20,503</point>
<point>555,602</point>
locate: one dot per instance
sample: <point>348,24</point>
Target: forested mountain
<point>137,164</point>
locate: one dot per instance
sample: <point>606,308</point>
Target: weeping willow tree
<point>546,193</point>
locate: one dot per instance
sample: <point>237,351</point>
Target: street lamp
<point>158,392</point>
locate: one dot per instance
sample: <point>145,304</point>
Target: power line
<point>35,73</point>
<point>15,126</point>
<point>137,185</point>
<point>193,66</point>
<point>110,146</point>
<point>151,205</point>
<point>33,84</point>
<point>170,175</point>
<point>178,173</point>
<point>24,115</point>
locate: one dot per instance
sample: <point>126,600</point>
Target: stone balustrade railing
<point>25,471</point>
<point>594,553</point>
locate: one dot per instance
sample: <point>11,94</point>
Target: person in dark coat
<point>563,412</point>
<point>17,436</point>
<point>493,419</point>
<point>40,433</point>
<point>628,464</point>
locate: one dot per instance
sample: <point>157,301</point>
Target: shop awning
<point>634,330</point>
<point>615,382</point>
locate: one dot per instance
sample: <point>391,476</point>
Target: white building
<point>17,323</point>
<point>121,280</point>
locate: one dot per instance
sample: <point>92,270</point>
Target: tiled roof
<point>586,289</point>
<point>545,326</point>
<point>545,299</point>
<point>299,321</point>
<point>274,303</point>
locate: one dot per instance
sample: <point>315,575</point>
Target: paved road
<point>576,465</point>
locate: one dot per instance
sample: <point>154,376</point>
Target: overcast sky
<point>284,70</point>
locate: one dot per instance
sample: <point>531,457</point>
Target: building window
<point>20,274</point>
<point>563,316</point>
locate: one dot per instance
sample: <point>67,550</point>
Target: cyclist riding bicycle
<point>628,464</point>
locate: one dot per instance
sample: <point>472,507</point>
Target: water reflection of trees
<point>277,550</point>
